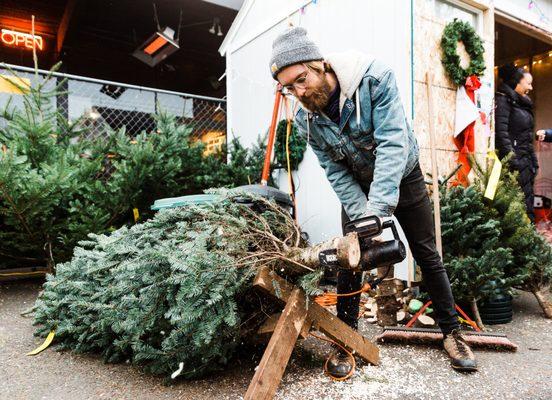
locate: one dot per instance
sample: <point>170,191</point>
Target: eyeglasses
<point>300,83</point>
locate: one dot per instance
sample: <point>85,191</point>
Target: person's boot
<point>339,364</point>
<point>462,357</point>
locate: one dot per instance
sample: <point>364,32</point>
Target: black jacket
<point>548,135</point>
<point>514,126</point>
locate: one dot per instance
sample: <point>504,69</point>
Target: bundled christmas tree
<point>174,291</point>
<point>474,256</point>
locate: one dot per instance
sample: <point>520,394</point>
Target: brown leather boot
<point>462,358</point>
<point>339,364</point>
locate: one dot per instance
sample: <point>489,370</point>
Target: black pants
<point>526,180</point>
<point>415,216</point>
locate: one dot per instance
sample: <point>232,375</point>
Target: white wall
<point>378,27</point>
<point>520,9</point>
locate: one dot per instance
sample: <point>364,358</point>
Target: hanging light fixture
<point>157,47</point>
<point>160,45</point>
<point>216,28</point>
<point>213,27</point>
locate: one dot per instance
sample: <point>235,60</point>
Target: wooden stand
<point>297,319</point>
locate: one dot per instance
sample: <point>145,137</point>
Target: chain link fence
<point>96,103</point>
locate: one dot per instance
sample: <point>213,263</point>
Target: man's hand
<point>541,135</point>
<point>377,238</point>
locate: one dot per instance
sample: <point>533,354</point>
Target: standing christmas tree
<point>531,269</point>
<point>472,251</point>
<point>41,174</point>
<point>58,183</point>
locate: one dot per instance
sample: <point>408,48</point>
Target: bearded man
<point>354,121</point>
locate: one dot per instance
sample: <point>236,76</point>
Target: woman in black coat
<point>544,135</point>
<point>515,124</point>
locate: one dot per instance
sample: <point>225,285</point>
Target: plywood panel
<point>427,58</point>
<point>444,117</point>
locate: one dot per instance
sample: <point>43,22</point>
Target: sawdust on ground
<point>405,372</point>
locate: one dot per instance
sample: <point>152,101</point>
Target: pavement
<point>406,371</point>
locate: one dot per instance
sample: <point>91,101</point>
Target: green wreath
<point>460,31</point>
<point>297,146</point>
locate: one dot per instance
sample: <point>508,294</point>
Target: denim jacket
<point>366,156</point>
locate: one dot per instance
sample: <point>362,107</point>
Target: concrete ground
<point>405,372</point>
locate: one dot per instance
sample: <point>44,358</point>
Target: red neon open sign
<point>20,39</point>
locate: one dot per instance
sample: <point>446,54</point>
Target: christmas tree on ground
<point>174,290</point>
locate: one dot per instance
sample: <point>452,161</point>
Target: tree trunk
<point>544,302</point>
<point>347,252</point>
<point>476,315</point>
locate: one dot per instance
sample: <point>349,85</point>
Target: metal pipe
<point>271,136</point>
<point>104,82</point>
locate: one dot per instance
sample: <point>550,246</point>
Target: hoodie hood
<point>349,67</point>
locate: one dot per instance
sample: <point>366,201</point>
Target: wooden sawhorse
<point>297,320</point>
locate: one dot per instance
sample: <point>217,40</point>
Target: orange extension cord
<point>329,299</point>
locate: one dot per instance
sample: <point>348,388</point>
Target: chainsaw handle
<point>370,226</point>
<point>391,224</point>
<point>364,227</point>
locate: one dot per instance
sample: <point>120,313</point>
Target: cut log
<point>276,356</point>
<point>321,319</point>
<point>347,247</point>
<point>372,320</point>
<point>425,321</point>
<point>387,300</point>
<point>386,272</point>
<point>401,316</point>
<point>387,310</point>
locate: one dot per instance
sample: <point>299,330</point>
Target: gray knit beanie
<point>292,47</point>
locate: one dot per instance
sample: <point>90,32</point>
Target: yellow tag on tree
<point>44,345</point>
<point>136,214</point>
<point>490,190</point>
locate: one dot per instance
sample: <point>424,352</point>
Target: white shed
<point>405,34</point>
<point>379,27</point>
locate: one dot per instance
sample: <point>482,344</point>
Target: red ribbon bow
<point>465,141</point>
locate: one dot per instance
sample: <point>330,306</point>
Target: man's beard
<point>317,99</point>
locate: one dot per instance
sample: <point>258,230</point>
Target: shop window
<point>447,10</point>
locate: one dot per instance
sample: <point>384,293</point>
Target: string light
<point>534,6</point>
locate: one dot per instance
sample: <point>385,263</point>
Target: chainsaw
<point>362,235</point>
